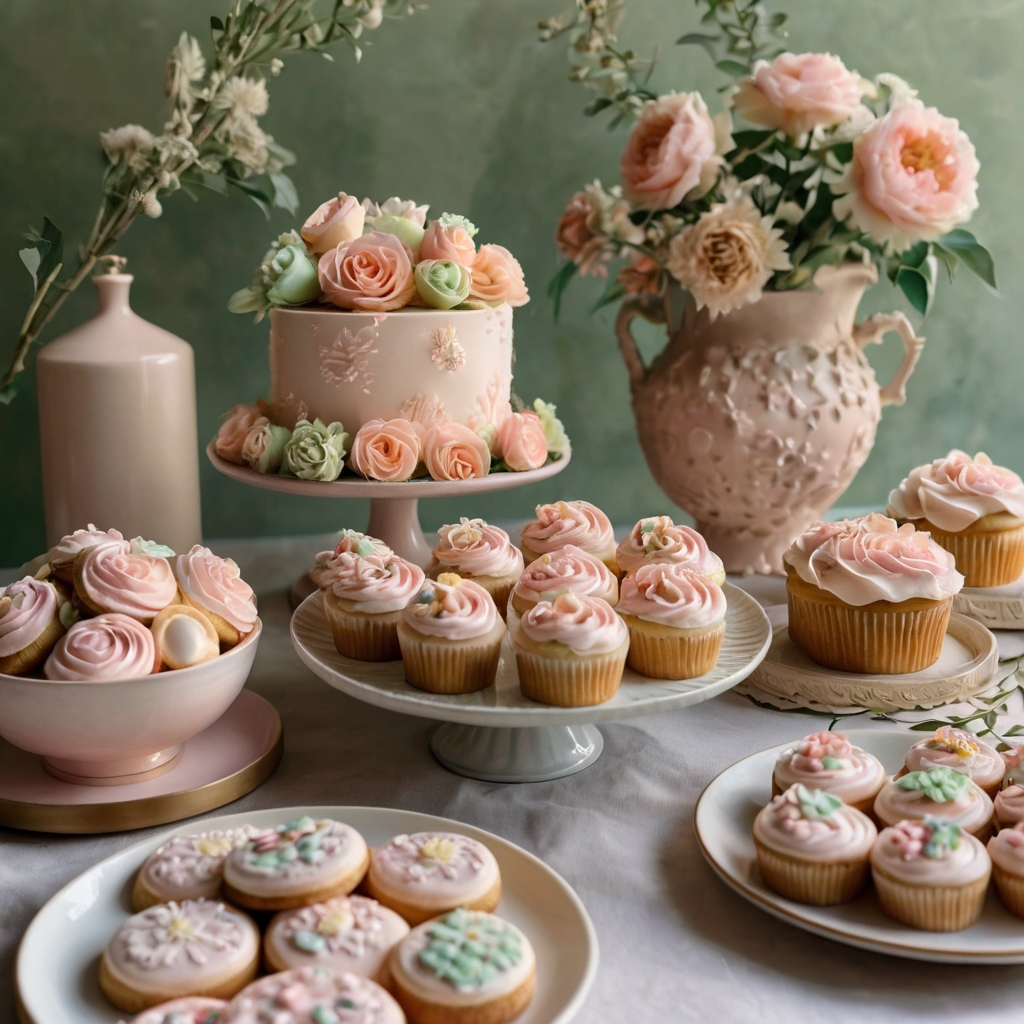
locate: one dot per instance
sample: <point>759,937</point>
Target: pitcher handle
<point>873,330</point>
<point>627,344</point>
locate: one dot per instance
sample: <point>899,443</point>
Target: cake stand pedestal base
<point>534,754</point>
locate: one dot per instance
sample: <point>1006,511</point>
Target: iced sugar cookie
<point>312,995</point>
<point>347,933</point>
<point>194,948</point>
<point>463,968</point>
<point>190,1010</point>
<point>187,867</point>
<point>295,865</point>
<point>430,873</point>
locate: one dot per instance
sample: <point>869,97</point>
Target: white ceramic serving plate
<point>57,970</point>
<point>995,607</point>
<point>725,815</point>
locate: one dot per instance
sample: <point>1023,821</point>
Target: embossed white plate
<point>57,971</point>
<point>747,635</point>
<point>965,667</point>
<point>995,607</point>
<point>725,815</point>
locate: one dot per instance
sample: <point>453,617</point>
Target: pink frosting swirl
<point>457,612</point>
<point>216,584</point>
<point>658,539</point>
<point>960,750</point>
<point>843,834</point>
<point>873,559</point>
<point>375,585</point>
<point>71,545</point>
<point>569,522</point>
<point>828,761</point>
<point>473,547</point>
<point>567,570</point>
<point>586,625</point>
<point>32,608</point>
<point>110,646</point>
<point>114,580</point>
<point>1009,804</point>
<point>812,750</point>
<point>955,492</point>
<point>1006,848</point>
<point>329,563</point>
<point>901,851</point>
<point>672,595</point>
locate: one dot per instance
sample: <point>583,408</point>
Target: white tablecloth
<point>676,944</point>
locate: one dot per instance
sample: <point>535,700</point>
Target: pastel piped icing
<point>586,625</point>
<point>216,584</point>
<point>954,492</point>
<point>814,825</point>
<point>568,569</point>
<point>570,522</point>
<point>112,579</point>
<point>111,646</point>
<point>672,595</point>
<point>452,609</point>
<point>352,542</point>
<point>659,539</point>
<point>373,584</point>
<point>187,1010</point>
<point>1009,805</point>
<point>1006,848</point>
<point>939,793</point>
<point>960,750</point>
<point>829,761</point>
<point>25,616</point>
<point>69,547</point>
<point>473,547</point>
<point>930,852</point>
<point>872,559</point>
<point>190,867</point>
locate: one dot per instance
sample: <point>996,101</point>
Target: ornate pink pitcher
<point>757,422</point>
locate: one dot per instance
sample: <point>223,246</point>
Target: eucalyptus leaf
<point>285,195</point>
<point>559,283</point>
<point>949,259</point>
<point>612,293</point>
<point>699,39</point>
<point>732,67</point>
<point>31,259</point>
<point>1014,730</point>
<point>53,255</point>
<point>916,287</point>
<point>7,394</point>
<point>972,254</point>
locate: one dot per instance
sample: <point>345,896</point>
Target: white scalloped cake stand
<point>499,735</point>
<point>394,507</point>
<point>995,607</point>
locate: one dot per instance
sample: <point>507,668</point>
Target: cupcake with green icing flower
<point>940,793</point>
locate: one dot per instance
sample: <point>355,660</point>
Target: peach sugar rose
<point>454,452</point>
<point>577,241</point>
<point>497,277</point>
<point>453,243</point>
<point>521,443</point>
<point>332,223</point>
<point>233,431</point>
<point>386,450</point>
<point>373,273</point>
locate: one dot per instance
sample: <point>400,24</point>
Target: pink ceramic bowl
<point>124,730</point>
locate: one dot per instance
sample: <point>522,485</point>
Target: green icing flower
<point>316,451</point>
<point>442,284</point>
<point>939,784</point>
<point>456,220</point>
<point>407,231</point>
<point>816,804</point>
<point>468,950</point>
<point>945,836</point>
<point>831,763</point>
<point>285,277</point>
<point>150,547</point>
<point>558,440</point>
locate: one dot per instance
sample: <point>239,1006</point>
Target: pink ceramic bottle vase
<point>117,424</point>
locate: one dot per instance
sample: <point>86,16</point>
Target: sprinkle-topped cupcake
<point>829,761</point>
<point>963,752</point>
<point>567,570</point>
<point>569,522</point>
<point>940,793</point>
<point>658,539</point>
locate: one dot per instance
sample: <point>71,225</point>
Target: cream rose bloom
<point>454,452</point>
<point>386,450</point>
<point>727,257</point>
<point>336,221</point>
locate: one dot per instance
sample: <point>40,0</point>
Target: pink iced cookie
<point>190,1010</point>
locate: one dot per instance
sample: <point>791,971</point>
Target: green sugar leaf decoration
<point>939,784</point>
<point>816,804</point>
<point>945,837</point>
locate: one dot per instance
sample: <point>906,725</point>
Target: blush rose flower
<point>386,450</point>
<point>913,177</point>
<point>264,446</point>
<point>521,443</point>
<point>497,277</point>
<point>454,452</point>
<point>449,238</point>
<point>336,221</point>
<point>233,431</point>
<point>798,92</point>
<point>374,273</point>
<point>673,150</point>
<point>577,241</point>
<point>641,277</point>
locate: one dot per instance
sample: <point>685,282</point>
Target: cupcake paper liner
<point>651,653</point>
<point>571,682</point>
<point>819,883</point>
<point>1010,888</point>
<point>362,636</point>
<point>987,558</point>
<point>933,908</point>
<point>461,666</point>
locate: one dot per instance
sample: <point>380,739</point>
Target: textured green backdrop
<point>462,108</point>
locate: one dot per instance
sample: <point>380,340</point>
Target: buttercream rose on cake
<point>404,362</point>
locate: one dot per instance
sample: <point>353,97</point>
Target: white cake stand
<point>499,735</point>
<point>394,507</point>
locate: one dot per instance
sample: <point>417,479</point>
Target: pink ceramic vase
<point>757,422</point>
<point>117,424</point>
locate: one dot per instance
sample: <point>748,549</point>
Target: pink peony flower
<point>332,223</point>
<point>577,241</point>
<point>233,431</point>
<point>798,92</point>
<point>386,450</point>
<point>913,178</point>
<point>453,242</point>
<point>641,277</point>
<point>671,152</point>
<point>374,273</point>
<point>521,443</point>
<point>497,277</point>
<point>454,452</point>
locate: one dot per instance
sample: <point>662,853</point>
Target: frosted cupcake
<point>812,848</point>
<point>961,751</point>
<point>1006,849</point>
<point>352,542</point>
<point>30,625</point>
<point>676,621</point>
<point>658,539</point>
<point>107,647</point>
<point>570,652</point>
<point>215,586</point>
<point>930,874</point>
<point>973,509</point>
<point>868,596</point>
<point>61,557</point>
<point>569,522</point>
<point>480,552</point>
<point>109,578</point>
<point>450,637</point>
<point>568,570</point>
<point>364,597</point>
<point>1009,806</point>
<point>940,793</point>
<point>830,762</point>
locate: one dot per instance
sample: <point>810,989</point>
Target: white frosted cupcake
<point>569,570</point>
<point>1006,848</point>
<point>658,539</point>
<point>963,752</point>
<point>829,761</point>
<point>676,621</point>
<point>569,522</point>
<point>939,793</point>
<point>930,874</point>
<point>351,542</point>
<point>30,624</point>
<point>812,848</point>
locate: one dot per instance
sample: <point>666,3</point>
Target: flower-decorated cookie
<point>197,948</point>
<point>566,570</point>
<point>569,522</point>
<point>940,793</point>
<point>111,646</point>
<point>215,586</point>
<point>348,933</point>
<point>1006,849</point>
<point>658,539</point>
<point>829,761</point>
<point>462,967</point>
<point>109,578</point>
<point>961,751</point>
<point>428,873</point>
<point>30,624</point>
<point>305,861</point>
<point>187,867</point>
<point>187,1010</point>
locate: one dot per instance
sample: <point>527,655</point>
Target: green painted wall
<point>462,108</point>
